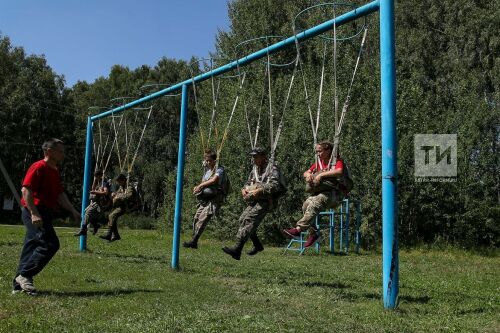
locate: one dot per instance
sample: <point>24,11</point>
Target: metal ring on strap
<point>149,85</point>
<point>333,4</point>
<point>212,61</point>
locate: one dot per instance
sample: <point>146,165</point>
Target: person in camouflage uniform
<point>326,192</point>
<point>209,194</point>
<point>123,200</point>
<point>260,192</point>
<point>100,202</point>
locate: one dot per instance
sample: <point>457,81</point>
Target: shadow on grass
<point>96,293</point>
<point>334,285</point>
<point>415,299</point>
<point>405,299</point>
<point>336,253</point>
<point>134,258</point>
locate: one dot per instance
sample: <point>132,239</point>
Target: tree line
<point>446,83</point>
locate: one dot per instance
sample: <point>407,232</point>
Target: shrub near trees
<point>446,83</point>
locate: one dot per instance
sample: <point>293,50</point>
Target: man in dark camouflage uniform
<point>261,192</point>
<point>123,200</point>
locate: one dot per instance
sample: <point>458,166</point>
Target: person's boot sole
<point>231,253</point>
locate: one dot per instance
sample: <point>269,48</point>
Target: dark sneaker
<point>232,252</point>
<point>291,233</point>
<point>312,239</point>
<point>26,284</point>
<point>254,250</point>
<point>191,244</point>
<point>81,232</point>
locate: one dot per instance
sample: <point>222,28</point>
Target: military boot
<point>234,251</point>
<point>193,243</point>
<point>95,227</point>
<point>115,236</point>
<point>108,235</point>
<point>81,232</point>
<point>257,246</point>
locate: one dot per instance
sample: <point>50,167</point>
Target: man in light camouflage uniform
<point>123,200</point>
<point>210,195</point>
<point>261,192</point>
<point>326,192</point>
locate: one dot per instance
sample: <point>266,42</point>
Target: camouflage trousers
<point>93,214</point>
<point>203,215</point>
<point>114,215</point>
<point>251,218</point>
<point>316,204</point>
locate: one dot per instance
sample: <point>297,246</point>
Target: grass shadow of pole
<point>96,293</point>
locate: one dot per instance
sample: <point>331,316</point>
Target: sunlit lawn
<point>128,286</point>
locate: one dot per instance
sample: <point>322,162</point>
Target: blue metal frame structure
<point>389,140</point>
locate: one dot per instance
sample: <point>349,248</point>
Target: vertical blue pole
<point>347,218</point>
<point>87,174</point>
<point>180,178</point>
<point>358,222</point>
<point>389,155</point>
<point>341,227</point>
<point>331,216</point>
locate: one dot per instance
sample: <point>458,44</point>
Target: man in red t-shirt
<point>43,194</point>
<point>326,191</point>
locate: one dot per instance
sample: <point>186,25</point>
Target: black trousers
<point>40,244</point>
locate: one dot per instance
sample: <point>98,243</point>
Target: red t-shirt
<point>323,165</point>
<point>45,183</point>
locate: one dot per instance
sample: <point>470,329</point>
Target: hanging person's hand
<point>36,220</point>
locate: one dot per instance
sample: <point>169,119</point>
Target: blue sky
<point>82,39</point>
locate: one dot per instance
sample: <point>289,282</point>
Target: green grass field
<point>128,286</point>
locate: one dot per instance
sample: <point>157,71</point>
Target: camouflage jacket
<point>270,181</point>
<point>123,196</point>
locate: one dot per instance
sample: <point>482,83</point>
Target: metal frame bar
<point>389,140</point>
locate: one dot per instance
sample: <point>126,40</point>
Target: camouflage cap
<point>258,151</point>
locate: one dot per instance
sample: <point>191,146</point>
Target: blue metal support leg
<point>389,155</point>
<point>346,226</point>
<point>87,174</point>
<point>180,178</point>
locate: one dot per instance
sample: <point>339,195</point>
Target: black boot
<point>234,251</point>
<point>115,236</point>
<point>193,243</point>
<point>95,227</point>
<point>257,246</point>
<point>108,235</point>
<point>81,232</point>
